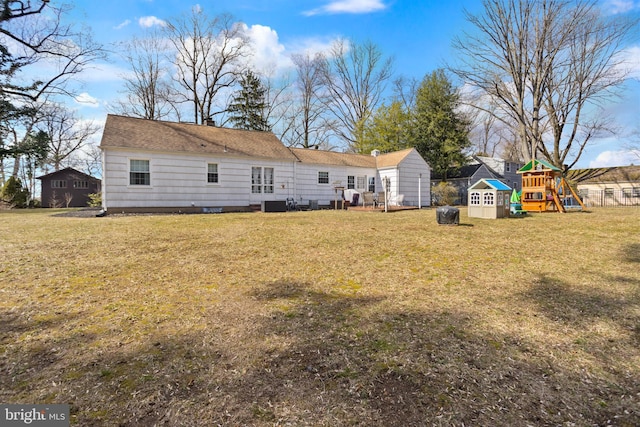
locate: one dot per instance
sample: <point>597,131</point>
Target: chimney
<point>375,153</point>
<point>210,122</point>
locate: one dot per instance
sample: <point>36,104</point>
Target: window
<point>80,184</point>
<point>268,180</point>
<point>372,184</point>
<point>323,177</point>
<point>212,173</point>
<point>627,192</point>
<point>508,166</point>
<point>487,199</point>
<point>261,180</point>
<point>256,180</point>
<point>474,198</point>
<point>58,183</point>
<point>608,192</point>
<point>351,182</point>
<point>139,172</point>
<point>361,182</point>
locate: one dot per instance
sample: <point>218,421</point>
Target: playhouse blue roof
<point>496,184</point>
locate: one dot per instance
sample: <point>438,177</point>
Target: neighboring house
<point>464,177</point>
<point>156,165</point>
<point>506,170</point>
<point>67,188</point>
<point>611,186</point>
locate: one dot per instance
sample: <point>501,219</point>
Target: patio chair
<point>381,197</point>
<point>400,200</point>
<point>367,199</point>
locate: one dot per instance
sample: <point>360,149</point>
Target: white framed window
<point>262,180</point>
<point>268,180</point>
<point>139,172</point>
<point>58,183</point>
<point>474,198</point>
<point>351,182</point>
<point>323,177</point>
<point>361,182</point>
<point>488,199</point>
<point>212,173</point>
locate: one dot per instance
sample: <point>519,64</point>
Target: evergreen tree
<point>248,107</point>
<point>387,130</point>
<point>440,132</point>
<point>14,193</point>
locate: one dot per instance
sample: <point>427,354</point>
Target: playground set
<point>544,189</point>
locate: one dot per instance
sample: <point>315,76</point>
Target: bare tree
<point>147,86</point>
<point>208,59</point>
<point>543,63</point>
<point>67,133</point>
<point>32,41</point>
<point>309,122</point>
<point>355,76</point>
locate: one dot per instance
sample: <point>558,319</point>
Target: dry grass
<point>323,318</point>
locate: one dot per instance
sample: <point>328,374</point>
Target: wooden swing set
<point>544,189</point>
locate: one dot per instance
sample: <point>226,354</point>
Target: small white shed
<point>489,198</point>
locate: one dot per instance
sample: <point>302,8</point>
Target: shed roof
<point>392,159</point>
<point>142,134</point>
<point>494,184</point>
<point>67,172</point>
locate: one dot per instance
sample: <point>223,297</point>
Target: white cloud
<point>150,21</point>
<point>631,64</point>
<point>348,6</point>
<point>270,56</point>
<point>122,25</point>
<point>616,158</point>
<point>87,100</point>
<point>268,52</point>
<point>621,6</point>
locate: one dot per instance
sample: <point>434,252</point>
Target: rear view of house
<point>165,166</point>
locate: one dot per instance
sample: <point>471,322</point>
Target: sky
<point>417,34</point>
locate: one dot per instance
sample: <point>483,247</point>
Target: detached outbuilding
<point>489,198</point>
<point>67,188</point>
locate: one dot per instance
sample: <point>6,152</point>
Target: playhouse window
<point>474,198</point>
<point>488,199</point>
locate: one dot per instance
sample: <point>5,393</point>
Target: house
<point>67,188</point>
<point>180,167</point>
<point>505,169</point>
<point>489,198</point>
<point>463,177</point>
<point>610,186</point>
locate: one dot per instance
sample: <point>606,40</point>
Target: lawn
<point>323,318</point>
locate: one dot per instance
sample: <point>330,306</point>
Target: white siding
<point>307,187</point>
<point>409,180</point>
<point>180,180</point>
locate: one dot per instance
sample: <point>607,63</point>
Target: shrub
<point>95,200</point>
<point>444,194</point>
<point>14,193</point>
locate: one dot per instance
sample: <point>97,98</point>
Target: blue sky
<point>417,34</point>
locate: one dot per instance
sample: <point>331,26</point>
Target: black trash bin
<point>448,215</point>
